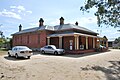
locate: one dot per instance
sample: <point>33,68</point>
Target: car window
<point>14,49</point>
<point>49,47</point>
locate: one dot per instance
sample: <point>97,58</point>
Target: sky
<point>28,12</point>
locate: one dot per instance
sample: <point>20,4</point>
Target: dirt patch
<point>105,66</point>
<point>3,53</point>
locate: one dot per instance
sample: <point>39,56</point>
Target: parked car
<point>52,50</point>
<point>20,51</point>
<point>102,47</point>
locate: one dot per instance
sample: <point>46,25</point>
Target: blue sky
<point>28,13</point>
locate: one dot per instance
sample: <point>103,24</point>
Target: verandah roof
<point>70,34</point>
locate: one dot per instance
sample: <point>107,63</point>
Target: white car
<point>52,50</point>
<point>102,47</point>
<point>20,51</point>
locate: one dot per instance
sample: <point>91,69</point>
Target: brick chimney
<point>20,27</point>
<point>76,23</point>
<point>41,22</point>
<point>61,21</point>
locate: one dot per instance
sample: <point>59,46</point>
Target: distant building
<point>111,43</point>
<point>70,37</point>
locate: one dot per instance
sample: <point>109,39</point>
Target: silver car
<point>52,50</point>
<point>20,51</point>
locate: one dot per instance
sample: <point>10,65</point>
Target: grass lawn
<point>3,52</point>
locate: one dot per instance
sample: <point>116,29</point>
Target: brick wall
<point>54,41</point>
<point>32,40</point>
<point>80,51</point>
<point>96,43</point>
<point>90,42</point>
<point>83,40</point>
<point>39,39</point>
<point>43,37</point>
<point>66,42</point>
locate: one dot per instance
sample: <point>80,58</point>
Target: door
<point>50,49</point>
<point>71,44</point>
<point>14,50</point>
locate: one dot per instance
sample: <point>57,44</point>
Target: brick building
<point>67,36</point>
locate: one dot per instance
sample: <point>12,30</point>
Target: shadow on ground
<point>20,58</point>
<point>14,59</point>
<point>111,72</point>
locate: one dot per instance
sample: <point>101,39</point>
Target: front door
<point>71,44</point>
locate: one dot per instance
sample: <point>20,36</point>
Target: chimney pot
<point>76,23</point>
<point>41,22</point>
<point>20,27</point>
<point>61,21</point>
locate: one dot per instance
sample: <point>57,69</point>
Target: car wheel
<point>16,56</point>
<point>9,54</point>
<point>55,52</point>
<point>29,57</point>
<point>43,52</point>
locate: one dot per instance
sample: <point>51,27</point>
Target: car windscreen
<point>53,47</point>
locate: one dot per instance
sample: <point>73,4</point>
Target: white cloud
<point>19,11</point>
<point>12,6</point>
<point>34,24</point>
<point>29,12</point>
<point>21,8</point>
<point>116,32</point>
<point>10,14</point>
<point>12,10</point>
<point>83,21</point>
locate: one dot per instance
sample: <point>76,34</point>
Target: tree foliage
<point>108,11</point>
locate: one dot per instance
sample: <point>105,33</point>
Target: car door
<point>45,49</point>
<point>13,51</point>
<point>50,49</point>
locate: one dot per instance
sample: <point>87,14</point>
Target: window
<point>49,47</point>
<point>14,49</point>
<point>46,47</point>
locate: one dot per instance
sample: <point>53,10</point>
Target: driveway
<point>102,66</point>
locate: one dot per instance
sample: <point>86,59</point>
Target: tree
<point>108,11</point>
